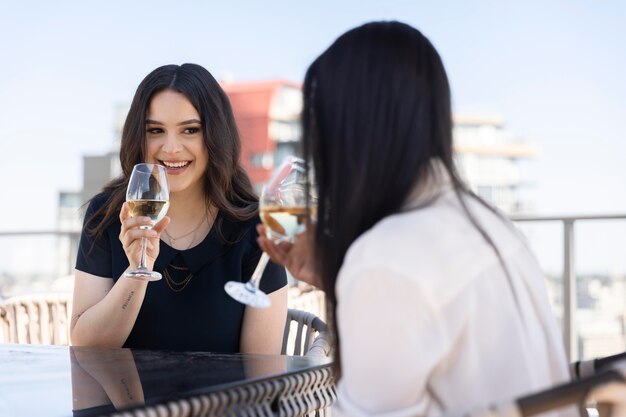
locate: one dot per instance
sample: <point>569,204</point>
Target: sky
<point>553,71</point>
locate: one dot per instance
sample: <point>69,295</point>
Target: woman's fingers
<point>132,229</point>
<point>134,234</point>
<point>133,222</point>
<point>270,248</point>
<point>124,212</point>
<point>277,254</point>
<point>296,257</point>
<point>162,224</point>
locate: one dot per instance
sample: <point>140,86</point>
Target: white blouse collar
<point>427,189</point>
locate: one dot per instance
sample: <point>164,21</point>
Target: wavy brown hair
<point>226,184</point>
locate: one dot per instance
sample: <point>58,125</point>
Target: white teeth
<point>175,164</point>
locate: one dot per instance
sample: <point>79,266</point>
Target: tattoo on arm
<point>130,295</point>
<point>128,393</point>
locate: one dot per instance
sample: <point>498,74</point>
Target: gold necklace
<point>175,285</point>
<point>194,230</point>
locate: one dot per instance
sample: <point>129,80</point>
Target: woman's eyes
<point>186,131</point>
<point>191,130</point>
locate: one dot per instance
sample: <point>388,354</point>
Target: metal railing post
<point>569,291</point>
<point>73,245</point>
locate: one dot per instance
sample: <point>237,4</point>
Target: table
<point>62,381</point>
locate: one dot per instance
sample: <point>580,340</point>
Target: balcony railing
<point>61,248</point>
<point>570,291</point>
<point>32,261</point>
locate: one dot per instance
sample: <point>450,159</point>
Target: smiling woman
<point>179,118</point>
<point>174,139</point>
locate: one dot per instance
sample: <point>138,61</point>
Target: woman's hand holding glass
<point>297,257</point>
<point>147,201</point>
<point>131,235</point>
<point>287,201</point>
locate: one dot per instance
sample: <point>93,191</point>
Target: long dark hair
<point>226,185</point>
<point>377,113</point>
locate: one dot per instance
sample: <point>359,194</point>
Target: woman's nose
<point>172,144</point>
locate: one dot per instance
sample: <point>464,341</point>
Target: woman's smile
<point>175,167</point>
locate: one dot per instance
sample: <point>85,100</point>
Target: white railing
<point>569,270</point>
<point>66,259</point>
<point>33,260</point>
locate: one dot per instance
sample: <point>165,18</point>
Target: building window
<point>263,160</point>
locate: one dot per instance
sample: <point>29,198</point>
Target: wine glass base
<point>144,275</point>
<point>247,294</point>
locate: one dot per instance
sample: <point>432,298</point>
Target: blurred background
<point>539,102</point>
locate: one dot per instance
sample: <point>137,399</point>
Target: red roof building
<point>268,118</point>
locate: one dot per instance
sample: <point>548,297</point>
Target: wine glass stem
<point>142,260</point>
<point>258,272</point>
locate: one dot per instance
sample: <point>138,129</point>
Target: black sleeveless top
<point>200,316</point>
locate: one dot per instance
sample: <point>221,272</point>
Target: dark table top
<point>55,381</point>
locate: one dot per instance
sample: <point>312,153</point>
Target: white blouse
<point>429,322</point>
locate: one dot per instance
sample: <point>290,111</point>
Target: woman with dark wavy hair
<point>436,302</point>
<point>179,118</point>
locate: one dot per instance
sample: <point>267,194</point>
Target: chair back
<point>584,368</point>
<point>305,334</point>
<point>605,388</point>
<point>36,319</point>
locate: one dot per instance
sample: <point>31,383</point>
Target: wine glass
<point>284,211</point>
<point>148,194</point>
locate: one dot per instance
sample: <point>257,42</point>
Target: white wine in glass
<point>148,194</point>
<point>285,223</point>
<point>286,202</point>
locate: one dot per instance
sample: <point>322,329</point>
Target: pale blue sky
<point>554,71</point>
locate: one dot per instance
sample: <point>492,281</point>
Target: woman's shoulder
<point>423,238</point>
<point>411,230</point>
<point>98,201</point>
<point>435,242</point>
<point>237,230</point>
<point>97,208</point>
<point>249,229</point>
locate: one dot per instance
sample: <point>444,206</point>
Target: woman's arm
<point>262,328</point>
<point>110,376</point>
<point>103,314</point>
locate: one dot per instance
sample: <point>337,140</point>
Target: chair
<point>45,319</point>
<point>308,337</point>
<point>606,387</point>
<point>36,319</point>
<point>583,368</point>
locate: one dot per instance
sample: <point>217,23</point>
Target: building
<point>488,158</point>
<point>97,171</point>
<point>268,118</point>
<point>267,114</point>
<point>69,222</point>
